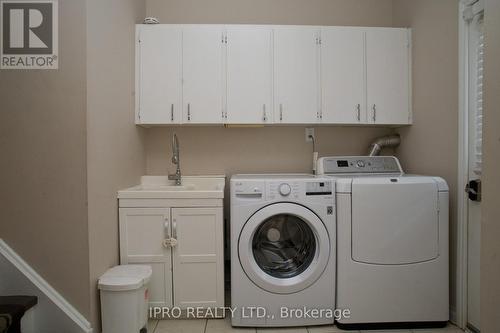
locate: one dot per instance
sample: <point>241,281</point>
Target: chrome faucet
<point>176,160</point>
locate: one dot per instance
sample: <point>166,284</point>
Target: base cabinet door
<point>388,76</point>
<point>142,232</point>
<point>198,275</point>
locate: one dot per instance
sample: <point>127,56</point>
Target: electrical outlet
<point>309,134</point>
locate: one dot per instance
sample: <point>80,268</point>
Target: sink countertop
<point>193,187</point>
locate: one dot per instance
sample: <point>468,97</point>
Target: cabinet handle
<point>264,112</point>
<point>281,112</point>
<point>189,111</point>
<point>174,228</point>
<point>358,109</point>
<point>166,227</point>
<point>374,108</point>
<point>172,112</point>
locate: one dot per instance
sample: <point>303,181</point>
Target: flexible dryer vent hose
<point>390,141</point>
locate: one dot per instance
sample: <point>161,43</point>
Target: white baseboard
<point>45,288</point>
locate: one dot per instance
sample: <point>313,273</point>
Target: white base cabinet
<point>189,273</point>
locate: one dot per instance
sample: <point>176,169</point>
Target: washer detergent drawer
<point>395,220</point>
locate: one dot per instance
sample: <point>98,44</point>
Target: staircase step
<point>12,309</point>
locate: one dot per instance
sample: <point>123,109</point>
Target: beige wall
<point>430,145</point>
<point>114,144</point>
<point>490,233</point>
<point>312,12</point>
<point>219,150</point>
<point>43,212</point>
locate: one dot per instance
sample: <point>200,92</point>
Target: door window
<point>284,246</point>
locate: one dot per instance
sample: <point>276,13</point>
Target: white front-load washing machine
<point>282,250</point>
<point>392,250</point>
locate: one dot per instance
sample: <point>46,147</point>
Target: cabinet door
<point>388,75</point>
<point>249,73</point>
<point>296,75</point>
<point>342,75</point>
<point>159,77</point>
<point>198,257</point>
<point>142,231</point>
<point>202,74</point>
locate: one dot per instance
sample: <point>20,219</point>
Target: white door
<point>249,73</point>
<point>342,75</point>
<point>388,75</point>
<point>475,113</point>
<point>202,65</point>
<point>284,248</point>
<point>159,74</point>
<point>198,257</point>
<point>296,53</point>
<point>142,232</point>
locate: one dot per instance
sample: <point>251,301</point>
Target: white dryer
<point>282,250</point>
<point>392,234</point>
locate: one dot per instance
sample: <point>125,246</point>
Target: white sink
<point>192,187</point>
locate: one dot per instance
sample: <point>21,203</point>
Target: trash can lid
<point>125,277</point>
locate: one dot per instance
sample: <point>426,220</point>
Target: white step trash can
<point>124,298</point>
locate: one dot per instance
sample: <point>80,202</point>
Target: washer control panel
<point>359,164</point>
<point>301,188</point>
<point>295,190</point>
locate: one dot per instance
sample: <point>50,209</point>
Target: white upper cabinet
<point>159,73</point>
<point>203,87</point>
<point>249,75</point>
<point>296,80</point>
<point>342,75</point>
<point>388,76</point>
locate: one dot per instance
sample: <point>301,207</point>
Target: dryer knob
<point>285,190</point>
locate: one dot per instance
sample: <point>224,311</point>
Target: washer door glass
<point>284,246</point>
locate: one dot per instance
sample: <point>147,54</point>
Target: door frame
<point>459,316</point>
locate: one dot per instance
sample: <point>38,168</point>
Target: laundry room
<point>249,165</point>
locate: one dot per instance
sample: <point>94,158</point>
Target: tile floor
<point>224,326</point>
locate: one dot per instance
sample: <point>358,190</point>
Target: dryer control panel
<point>359,165</point>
